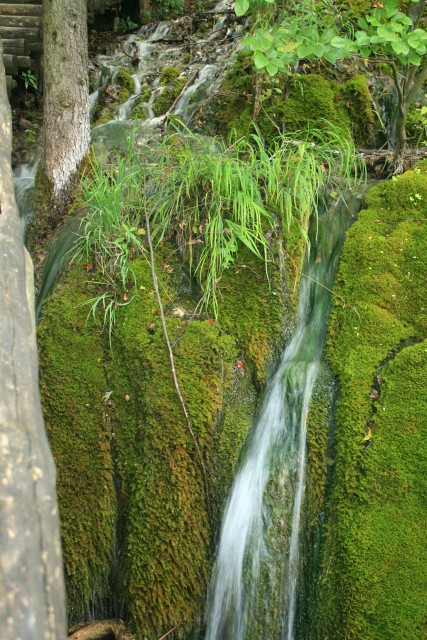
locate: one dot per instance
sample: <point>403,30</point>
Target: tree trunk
<point>31,583</point>
<point>400,146</point>
<point>66,132</point>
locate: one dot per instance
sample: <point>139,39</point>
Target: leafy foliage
<point>386,32</point>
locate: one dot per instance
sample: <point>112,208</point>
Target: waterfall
<point>253,590</point>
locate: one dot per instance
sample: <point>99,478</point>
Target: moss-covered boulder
<point>78,422</point>
<point>374,557</point>
<point>291,103</point>
<point>137,537</point>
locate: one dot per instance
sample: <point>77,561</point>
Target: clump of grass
<point>210,196</point>
<point>110,233</point>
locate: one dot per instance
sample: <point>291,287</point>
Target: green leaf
<point>400,47</point>
<point>414,58</point>
<point>303,51</point>
<point>339,42</point>
<point>241,7</point>
<point>401,17</point>
<point>397,27</point>
<point>260,60</point>
<point>318,49</point>
<point>390,7</point>
<point>363,24</point>
<point>272,68</point>
<point>387,34</point>
<point>251,42</point>
<point>362,38</point>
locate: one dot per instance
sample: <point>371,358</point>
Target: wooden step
<point>10,9</point>
<point>25,62</point>
<point>20,21</point>
<point>31,34</point>
<point>24,2</point>
<point>18,46</point>
<point>10,64</point>
<point>35,47</point>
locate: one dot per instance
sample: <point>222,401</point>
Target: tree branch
<point>416,86</point>
<point>397,84</point>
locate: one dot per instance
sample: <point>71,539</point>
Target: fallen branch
<point>169,632</point>
<point>99,629</point>
<point>380,161</point>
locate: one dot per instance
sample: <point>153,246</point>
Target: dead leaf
<point>367,436</point>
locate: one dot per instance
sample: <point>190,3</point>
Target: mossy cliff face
<point>161,539</point>
<point>73,385</point>
<point>373,558</point>
<point>290,103</point>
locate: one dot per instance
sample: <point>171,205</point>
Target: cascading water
<point>144,55</point>
<point>23,179</point>
<point>202,59</point>
<point>253,591</point>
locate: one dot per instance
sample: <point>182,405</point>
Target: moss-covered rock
<point>169,74</point>
<point>167,97</point>
<point>73,388</point>
<point>291,103</point>
<point>125,85</point>
<point>139,108</point>
<point>373,558</point>
<point>162,531</point>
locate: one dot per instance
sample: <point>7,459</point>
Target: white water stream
<point>266,501</point>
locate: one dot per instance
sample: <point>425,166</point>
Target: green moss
<point>169,74</point>
<point>293,103</point>
<point>253,313</point>
<point>167,540</point>
<point>357,101</point>
<point>73,385</point>
<point>40,222</point>
<point>372,556</point>
<point>125,85</point>
<point>139,109</point>
<point>168,96</point>
<point>355,8</point>
<point>163,532</point>
<point>105,116</point>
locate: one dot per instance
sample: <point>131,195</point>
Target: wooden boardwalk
<point>21,32</point>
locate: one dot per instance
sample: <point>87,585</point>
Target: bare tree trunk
<point>66,132</point>
<point>400,146</point>
<point>31,581</point>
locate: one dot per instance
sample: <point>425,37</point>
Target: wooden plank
<point>10,62</point>
<point>20,21</point>
<point>25,62</point>
<point>29,33</point>
<point>35,47</point>
<point>30,551</point>
<point>18,46</point>
<point>24,2</point>
<point>21,9</point>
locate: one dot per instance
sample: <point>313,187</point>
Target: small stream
<point>201,47</point>
<point>253,591</point>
